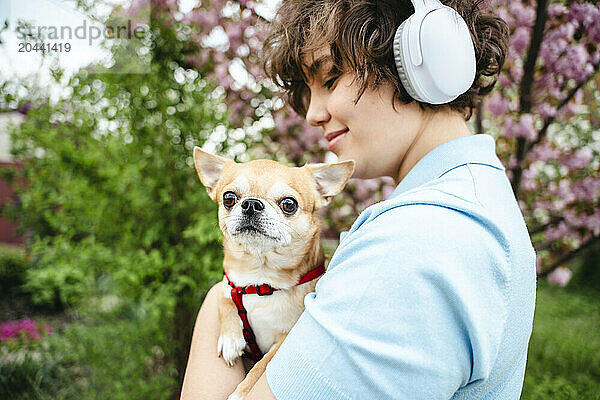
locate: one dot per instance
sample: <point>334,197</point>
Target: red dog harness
<point>262,290</point>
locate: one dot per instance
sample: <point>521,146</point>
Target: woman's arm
<point>207,376</point>
<point>261,390</point>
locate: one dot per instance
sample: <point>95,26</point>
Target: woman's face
<point>371,132</point>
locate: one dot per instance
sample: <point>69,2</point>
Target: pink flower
<point>362,191</point>
<point>504,81</point>
<point>508,128</point>
<point>497,104</point>
<point>585,13</point>
<point>524,13</point>
<point>560,276</point>
<point>520,39</point>
<point>529,179</point>
<point>579,159</point>
<point>524,128</point>
<point>558,232</point>
<point>556,10</point>
<point>545,152</point>
<point>516,72</point>
<point>546,110</point>
<point>574,64</point>
<point>205,20</point>
<point>587,189</point>
<point>136,6</point>
<point>25,329</point>
<point>235,33</point>
<point>310,136</point>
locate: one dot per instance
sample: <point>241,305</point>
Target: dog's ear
<point>331,178</point>
<point>209,168</point>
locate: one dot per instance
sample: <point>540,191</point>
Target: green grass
<point>564,352</point>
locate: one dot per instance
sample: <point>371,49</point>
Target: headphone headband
<point>424,4</point>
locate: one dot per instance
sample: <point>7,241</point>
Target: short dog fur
<point>268,217</point>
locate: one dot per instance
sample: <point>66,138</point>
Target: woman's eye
<point>229,199</point>
<point>329,83</point>
<point>288,205</point>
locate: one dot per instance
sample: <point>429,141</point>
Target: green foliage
<point>35,371</point>
<point>119,359</point>
<point>564,352</point>
<point>31,376</point>
<point>64,272</point>
<point>114,207</point>
<point>587,273</point>
<point>13,266</point>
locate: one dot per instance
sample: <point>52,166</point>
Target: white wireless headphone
<point>434,53</point>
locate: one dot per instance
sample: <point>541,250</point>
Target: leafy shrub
<point>29,368</point>
<point>13,265</point>
<point>119,359</point>
<point>64,272</point>
<point>108,192</point>
<point>29,375</point>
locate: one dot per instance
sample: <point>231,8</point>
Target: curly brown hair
<point>360,35</point>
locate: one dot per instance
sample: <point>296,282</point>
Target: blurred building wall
<point>7,229</point>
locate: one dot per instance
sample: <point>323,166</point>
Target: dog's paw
<point>230,348</point>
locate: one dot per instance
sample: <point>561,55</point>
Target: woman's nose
<point>317,113</point>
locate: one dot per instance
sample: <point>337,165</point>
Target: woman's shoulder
<point>429,209</point>
<point>427,234</point>
<point>430,226</point>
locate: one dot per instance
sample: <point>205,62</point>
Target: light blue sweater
<point>430,295</point>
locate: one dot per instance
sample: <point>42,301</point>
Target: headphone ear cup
<point>434,54</point>
<point>401,58</point>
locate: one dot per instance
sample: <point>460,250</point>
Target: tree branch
<point>569,256</point>
<point>540,228</point>
<point>546,244</point>
<point>525,89</point>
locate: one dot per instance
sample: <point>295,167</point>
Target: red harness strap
<point>262,290</point>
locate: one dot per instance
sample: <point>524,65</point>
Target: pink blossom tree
<point>543,112</point>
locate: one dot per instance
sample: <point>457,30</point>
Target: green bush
<point>115,209</point>
<point>118,359</point>
<point>64,273</point>
<point>36,373</point>
<point>13,266</point>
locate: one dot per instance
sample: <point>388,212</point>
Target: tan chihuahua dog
<point>272,252</point>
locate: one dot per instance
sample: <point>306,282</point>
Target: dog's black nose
<point>251,206</point>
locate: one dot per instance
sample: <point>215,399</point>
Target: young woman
<point>431,293</point>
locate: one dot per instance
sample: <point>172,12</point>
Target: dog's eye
<point>229,199</point>
<point>288,205</point>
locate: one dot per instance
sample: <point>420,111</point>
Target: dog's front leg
<point>231,342</point>
<point>256,372</point>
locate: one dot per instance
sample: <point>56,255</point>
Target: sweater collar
<point>473,149</point>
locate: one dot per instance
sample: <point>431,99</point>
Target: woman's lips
<point>335,137</point>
